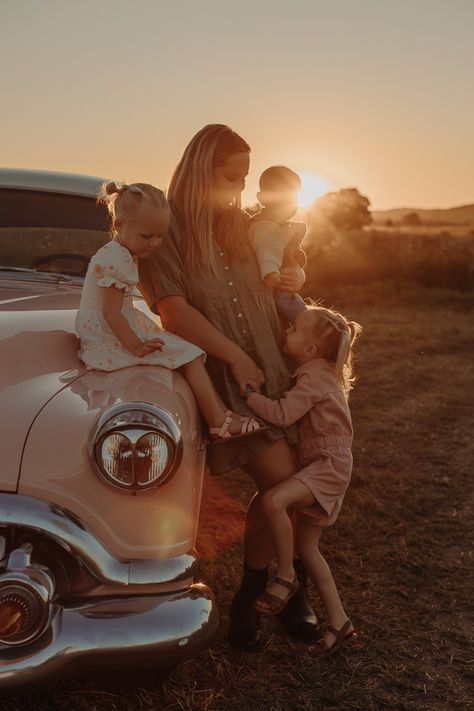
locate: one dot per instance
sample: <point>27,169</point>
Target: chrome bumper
<point>63,527</point>
<point>135,621</point>
<point>127,632</point>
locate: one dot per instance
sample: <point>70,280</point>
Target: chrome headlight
<point>137,446</point>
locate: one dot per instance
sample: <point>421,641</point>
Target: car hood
<point>38,357</point>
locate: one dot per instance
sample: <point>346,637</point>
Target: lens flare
<point>312,187</point>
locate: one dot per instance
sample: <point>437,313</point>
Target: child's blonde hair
<point>191,196</point>
<point>335,336</point>
<point>124,200</point>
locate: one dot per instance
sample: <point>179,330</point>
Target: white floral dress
<point>113,265</point>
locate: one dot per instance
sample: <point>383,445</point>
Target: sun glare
<point>312,187</point>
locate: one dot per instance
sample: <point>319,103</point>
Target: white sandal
<point>248,426</point>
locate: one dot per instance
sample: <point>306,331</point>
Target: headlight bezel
<point>151,419</point>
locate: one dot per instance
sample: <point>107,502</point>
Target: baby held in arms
<point>275,238</point>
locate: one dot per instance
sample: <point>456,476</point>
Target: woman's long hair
<point>190,195</point>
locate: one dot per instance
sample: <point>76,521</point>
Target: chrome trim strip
<point>115,633</point>
<point>71,533</point>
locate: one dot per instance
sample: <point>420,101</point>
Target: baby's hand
<point>273,280</point>
<point>147,347</point>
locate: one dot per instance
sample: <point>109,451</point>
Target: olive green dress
<point>238,303</point>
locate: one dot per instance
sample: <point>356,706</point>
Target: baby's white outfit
<point>269,240</point>
<point>113,265</point>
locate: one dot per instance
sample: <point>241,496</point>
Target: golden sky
<point>376,94</point>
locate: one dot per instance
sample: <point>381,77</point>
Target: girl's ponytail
<point>344,355</point>
<point>122,200</point>
<point>335,336</point>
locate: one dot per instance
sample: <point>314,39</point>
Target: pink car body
<point>101,475</point>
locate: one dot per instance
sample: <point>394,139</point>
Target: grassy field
<point>402,550</point>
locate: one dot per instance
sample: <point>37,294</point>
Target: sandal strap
<point>224,428</point>
<point>289,584</point>
<point>251,424</point>
<point>340,634</point>
<point>245,423</point>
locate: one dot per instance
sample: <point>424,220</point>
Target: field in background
<point>429,256</point>
<point>402,550</point>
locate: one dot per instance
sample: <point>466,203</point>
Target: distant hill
<point>464,214</point>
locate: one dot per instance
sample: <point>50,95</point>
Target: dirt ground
<point>401,551</point>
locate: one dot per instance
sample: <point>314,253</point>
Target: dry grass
<point>421,255</point>
<point>402,550</point>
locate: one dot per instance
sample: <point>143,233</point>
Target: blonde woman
<point>206,286</point>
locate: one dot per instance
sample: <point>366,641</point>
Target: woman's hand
<point>246,373</point>
<point>292,279</point>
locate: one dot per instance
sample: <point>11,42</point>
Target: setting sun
<point>312,187</point>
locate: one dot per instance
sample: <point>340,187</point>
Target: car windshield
<point>50,232</point>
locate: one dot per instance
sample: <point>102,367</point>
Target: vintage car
<point>101,473</point>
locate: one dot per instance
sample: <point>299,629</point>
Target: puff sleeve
<point>113,265</point>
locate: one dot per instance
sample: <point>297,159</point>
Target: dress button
<point>231,283</point>
<point>244,331</point>
<point>235,298</point>
<point>226,267</point>
<point>240,315</point>
<point>221,254</point>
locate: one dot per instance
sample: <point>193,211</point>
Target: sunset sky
<point>376,94</point>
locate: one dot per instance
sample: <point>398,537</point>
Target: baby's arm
<point>268,246</point>
<point>293,405</point>
<point>294,255</point>
<point>112,300</point>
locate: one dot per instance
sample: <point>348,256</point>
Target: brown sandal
<point>270,604</point>
<point>321,649</point>
<point>248,426</point>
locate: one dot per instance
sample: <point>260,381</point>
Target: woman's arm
<point>183,319</point>
<point>112,301</point>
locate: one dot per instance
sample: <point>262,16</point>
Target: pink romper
<point>318,402</point>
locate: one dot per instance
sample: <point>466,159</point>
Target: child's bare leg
<point>208,400</point>
<point>275,504</point>
<point>307,546</point>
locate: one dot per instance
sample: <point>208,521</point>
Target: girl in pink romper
<point>320,340</point>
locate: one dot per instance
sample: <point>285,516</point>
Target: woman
<point>205,283</point>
